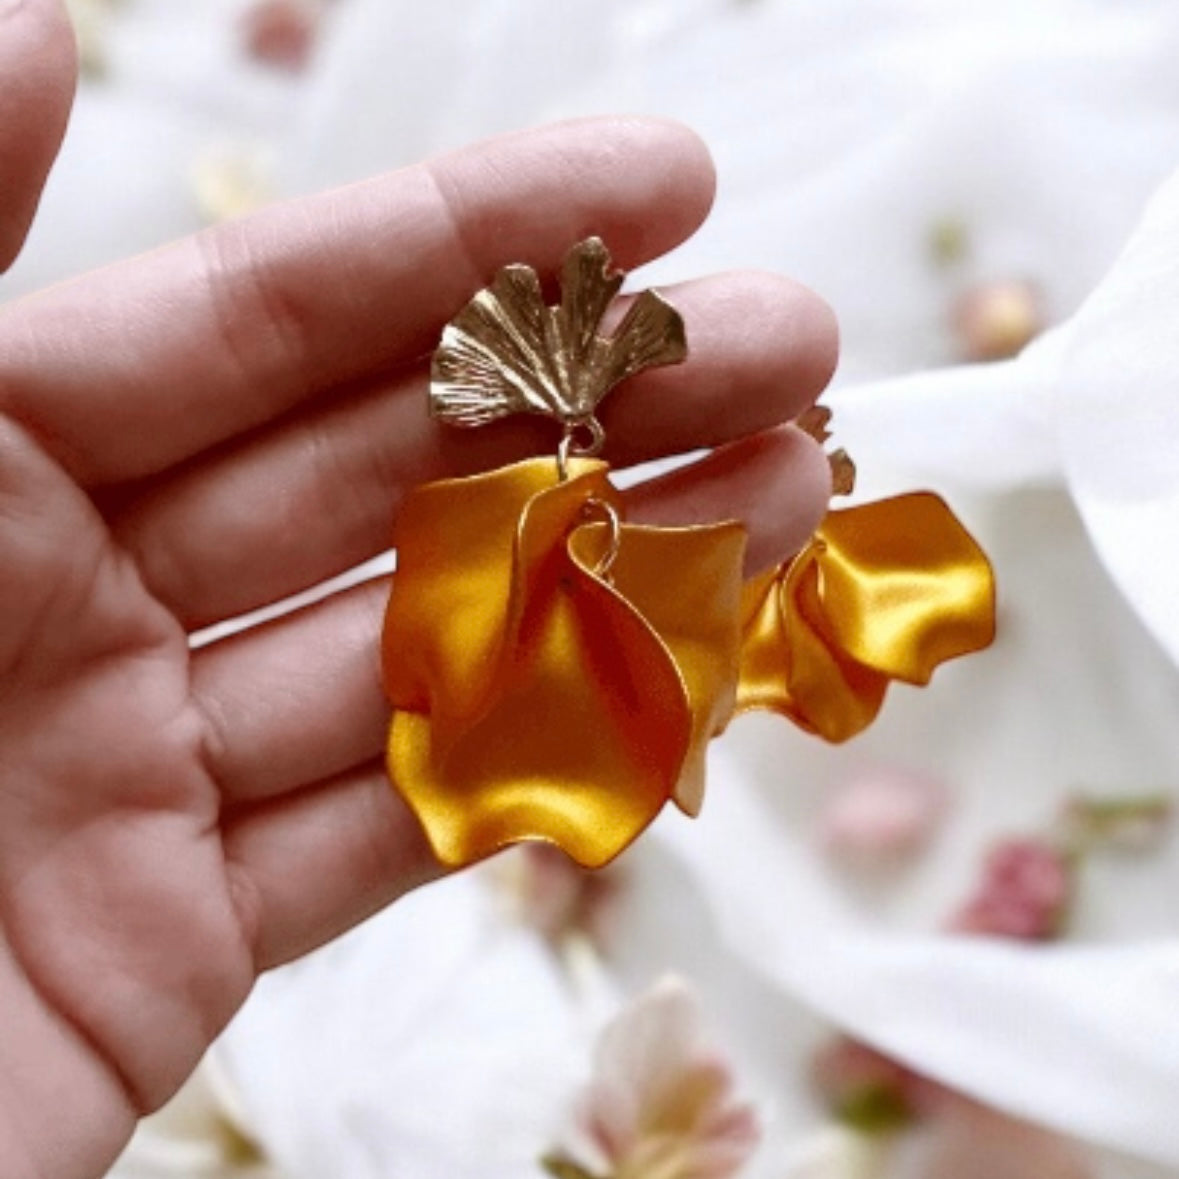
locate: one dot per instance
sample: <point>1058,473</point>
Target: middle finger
<point>317,494</point>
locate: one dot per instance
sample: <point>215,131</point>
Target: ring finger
<point>300,700</point>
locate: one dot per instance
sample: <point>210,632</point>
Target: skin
<point>211,427</point>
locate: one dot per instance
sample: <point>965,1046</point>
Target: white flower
<point>661,1105</point>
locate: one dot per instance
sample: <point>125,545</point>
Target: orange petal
<point>686,582</point>
<point>789,664</point>
<point>885,591</point>
<point>905,586</point>
<point>535,700</point>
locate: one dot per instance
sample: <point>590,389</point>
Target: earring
<point>884,591</point>
<point>556,672</point>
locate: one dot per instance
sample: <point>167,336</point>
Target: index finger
<point>37,72</point>
<point>132,369</point>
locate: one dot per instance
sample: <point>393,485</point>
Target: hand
<point>212,427</point>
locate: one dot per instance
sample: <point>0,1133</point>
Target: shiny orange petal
<point>686,583</point>
<point>885,591</point>
<point>534,699</point>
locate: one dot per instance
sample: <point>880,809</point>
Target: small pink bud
<point>882,815</point>
<point>996,320</point>
<point>864,1088</point>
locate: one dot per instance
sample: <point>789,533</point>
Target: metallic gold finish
<point>886,591</point>
<point>604,508</point>
<point>570,446</point>
<point>814,422</point>
<point>534,698</point>
<point>843,472</point>
<point>506,352</point>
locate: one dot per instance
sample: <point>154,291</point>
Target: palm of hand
<point>209,429</point>
<point>120,927</point>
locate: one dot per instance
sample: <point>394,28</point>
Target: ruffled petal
<point>885,591</point>
<point>535,698</point>
<point>686,583</point>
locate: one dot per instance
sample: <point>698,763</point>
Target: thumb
<point>38,70</point>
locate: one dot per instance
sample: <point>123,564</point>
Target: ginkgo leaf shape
<point>535,698</point>
<point>506,352</point>
<point>884,591</point>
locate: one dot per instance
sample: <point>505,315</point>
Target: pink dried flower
<point>882,815</point>
<point>868,1091</point>
<point>972,1141</point>
<point>1024,894</point>
<point>661,1103</point>
<point>282,33</point>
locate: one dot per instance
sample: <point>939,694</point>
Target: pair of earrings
<point>555,672</point>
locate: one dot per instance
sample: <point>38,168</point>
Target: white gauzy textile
<point>1093,405</point>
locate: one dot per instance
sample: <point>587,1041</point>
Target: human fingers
<point>777,484</point>
<point>317,495</point>
<point>38,69</point>
<point>300,700</point>
<point>310,863</point>
<point>137,367</point>
<point>308,866</point>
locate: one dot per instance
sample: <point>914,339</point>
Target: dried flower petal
<point>1025,893</point>
<point>661,1103</point>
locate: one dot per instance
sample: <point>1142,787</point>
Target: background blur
<point>946,950</point>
